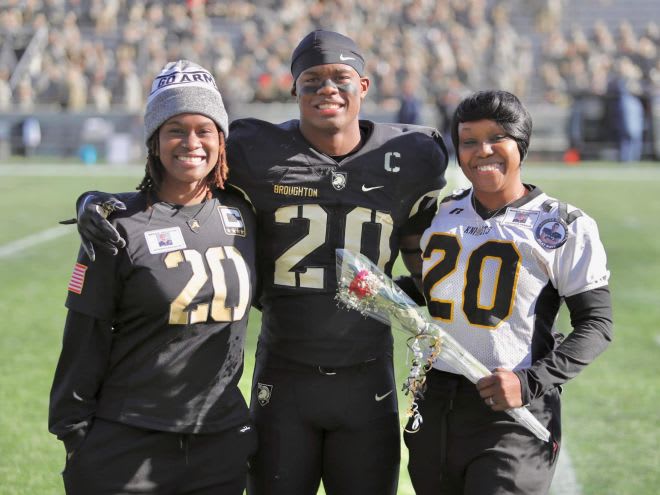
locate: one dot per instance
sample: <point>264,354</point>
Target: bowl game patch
<point>551,233</point>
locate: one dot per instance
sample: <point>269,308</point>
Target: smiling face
<point>188,148</point>
<point>329,98</point>
<point>490,159</point>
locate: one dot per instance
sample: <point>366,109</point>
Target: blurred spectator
<point>76,89</point>
<point>96,43</point>
<point>127,91</point>
<point>627,120</point>
<point>25,95</point>
<point>31,134</point>
<point>5,90</point>
<point>410,106</point>
<point>100,96</point>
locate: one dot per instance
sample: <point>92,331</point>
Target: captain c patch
<point>232,220</point>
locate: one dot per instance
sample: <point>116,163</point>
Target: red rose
<point>360,286</point>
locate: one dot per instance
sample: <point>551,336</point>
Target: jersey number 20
<point>218,311</point>
<point>316,236</point>
<point>505,280</point>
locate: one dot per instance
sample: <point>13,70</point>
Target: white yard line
<point>19,245</point>
<point>565,481</point>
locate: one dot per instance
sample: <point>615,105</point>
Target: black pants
<point>465,448</point>
<point>340,425</point>
<point>119,459</point>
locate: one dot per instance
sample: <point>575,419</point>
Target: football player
<point>499,259</point>
<point>145,395</point>
<point>324,398</point>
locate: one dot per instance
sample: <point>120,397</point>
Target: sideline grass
<point>610,411</point>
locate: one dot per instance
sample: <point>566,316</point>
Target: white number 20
<point>316,235</point>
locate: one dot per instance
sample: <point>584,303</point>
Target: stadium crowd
<point>79,54</point>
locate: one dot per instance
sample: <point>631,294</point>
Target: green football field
<point>611,411</point>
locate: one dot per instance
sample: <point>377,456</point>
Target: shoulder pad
<point>562,208</point>
<point>232,189</point>
<point>457,194</point>
<point>429,131</point>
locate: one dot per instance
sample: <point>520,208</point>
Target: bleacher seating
<point>457,45</point>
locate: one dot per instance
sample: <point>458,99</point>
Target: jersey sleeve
<point>427,184</point>
<point>93,286</point>
<point>581,263</point>
<point>82,364</point>
<point>581,278</point>
<point>591,319</point>
<point>242,134</point>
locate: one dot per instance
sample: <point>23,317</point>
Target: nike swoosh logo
<point>381,397</point>
<point>343,58</point>
<point>366,189</point>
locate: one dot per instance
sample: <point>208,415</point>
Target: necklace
<point>486,213</point>
<point>192,221</point>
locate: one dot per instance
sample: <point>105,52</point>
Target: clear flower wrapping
<point>362,286</point>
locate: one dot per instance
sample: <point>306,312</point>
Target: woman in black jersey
<point>145,395</point>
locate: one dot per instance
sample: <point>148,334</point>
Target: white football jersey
<point>496,284</point>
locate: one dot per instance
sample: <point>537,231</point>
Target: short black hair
<point>500,106</point>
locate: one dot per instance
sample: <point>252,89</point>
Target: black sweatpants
<point>340,425</point>
<point>465,448</point>
<point>117,459</point>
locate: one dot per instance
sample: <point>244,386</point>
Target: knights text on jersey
<point>178,298</point>
<point>308,205</point>
<point>496,284</point>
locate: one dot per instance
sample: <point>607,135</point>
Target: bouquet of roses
<point>362,286</point>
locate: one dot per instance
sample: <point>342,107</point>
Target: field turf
<point>611,412</point>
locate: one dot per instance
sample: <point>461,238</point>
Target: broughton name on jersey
<point>308,192</point>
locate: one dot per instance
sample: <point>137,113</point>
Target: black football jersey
<point>308,205</point>
<point>178,298</point>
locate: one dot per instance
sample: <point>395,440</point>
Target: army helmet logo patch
<point>339,180</point>
<point>551,233</point>
<point>264,392</point>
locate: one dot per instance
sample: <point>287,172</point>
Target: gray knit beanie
<point>183,87</point>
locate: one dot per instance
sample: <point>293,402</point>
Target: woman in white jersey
<point>499,258</point>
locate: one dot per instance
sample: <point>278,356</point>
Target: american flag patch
<point>77,278</point>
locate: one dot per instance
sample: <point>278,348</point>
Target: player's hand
<point>93,210</point>
<point>501,390</point>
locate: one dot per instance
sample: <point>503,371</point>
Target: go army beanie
<point>183,87</point>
